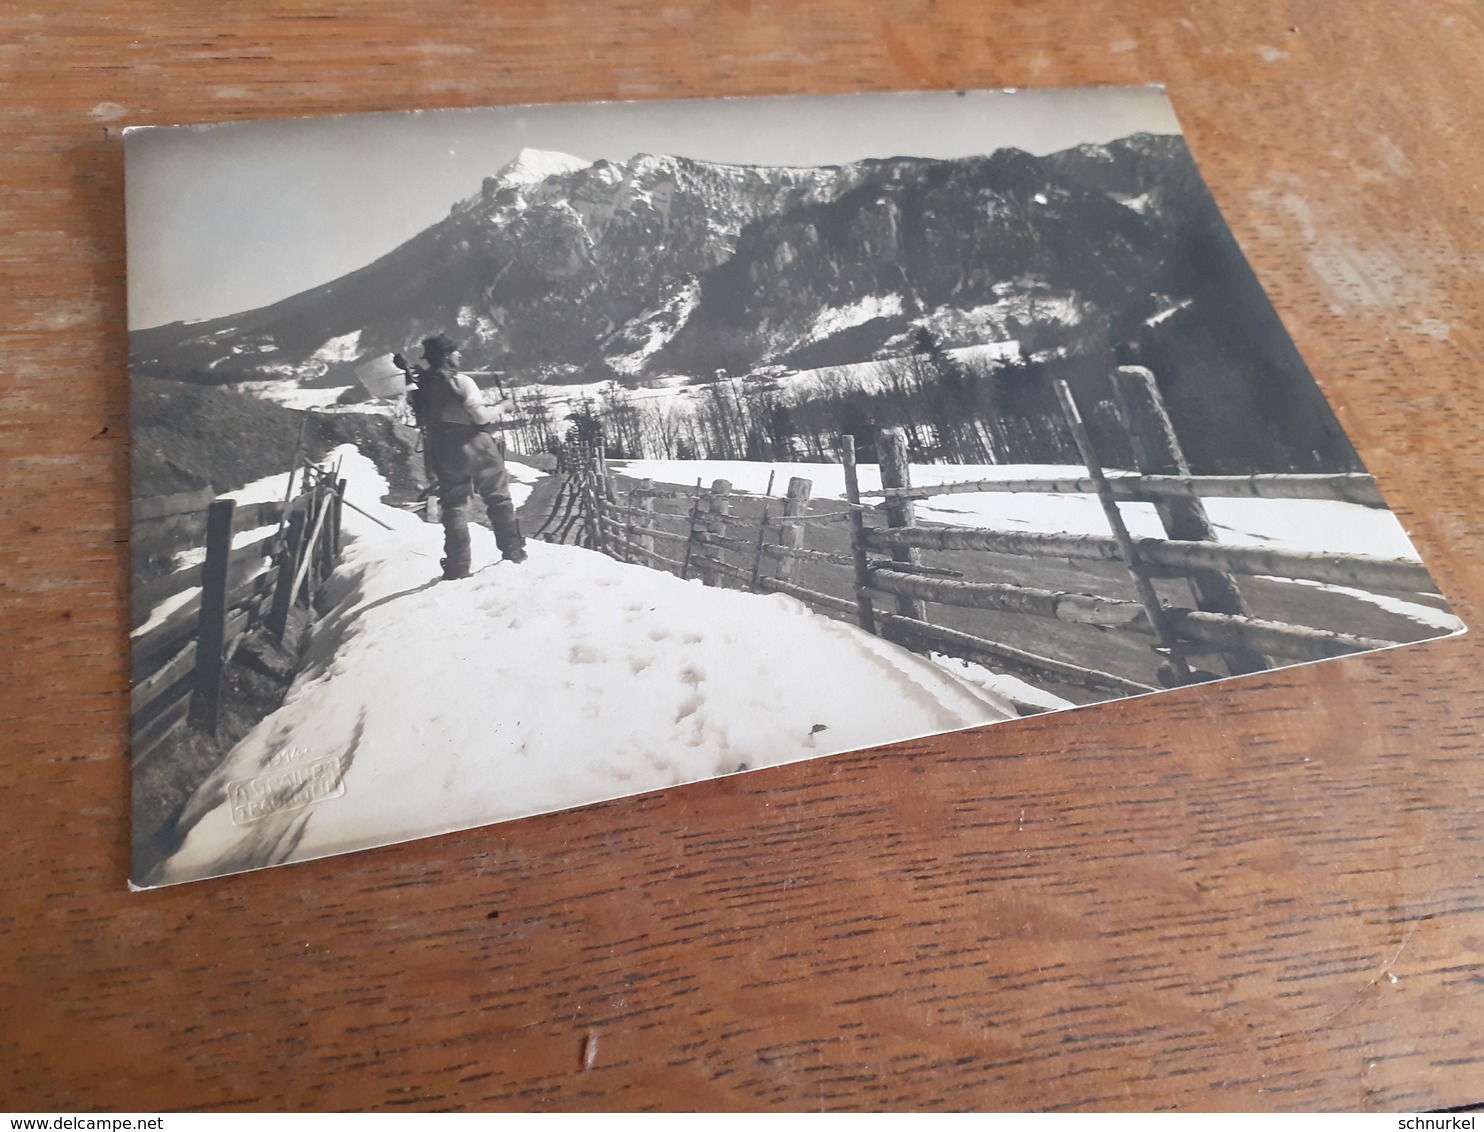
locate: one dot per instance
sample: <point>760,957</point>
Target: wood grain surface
<point>1267,894</point>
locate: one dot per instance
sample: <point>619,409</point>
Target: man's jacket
<point>447,397</point>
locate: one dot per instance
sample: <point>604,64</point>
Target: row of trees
<point>953,411</point>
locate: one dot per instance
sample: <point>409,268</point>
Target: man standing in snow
<point>464,454</point>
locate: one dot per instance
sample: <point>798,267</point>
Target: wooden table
<point>1263,895</point>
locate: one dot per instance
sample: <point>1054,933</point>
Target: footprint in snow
<point>688,707</point>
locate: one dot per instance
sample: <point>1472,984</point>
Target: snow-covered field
<point>670,392</point>
<point>1289,524</point>
<point>1313,525</point>
<point>434,706</point>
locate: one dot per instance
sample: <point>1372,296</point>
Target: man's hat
<point>439,346</point>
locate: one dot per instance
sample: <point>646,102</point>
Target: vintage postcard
<point>493,462</point>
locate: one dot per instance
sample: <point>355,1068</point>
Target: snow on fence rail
<point>1346,487</point>
<point>189,621</point>
<point>762,553</point>
<point>1177,557</point>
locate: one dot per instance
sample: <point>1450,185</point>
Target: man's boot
<point>507,531</point>
<point>456,550</point>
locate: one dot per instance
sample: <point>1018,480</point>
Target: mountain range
<point>665,262</point>
<point>561,270</point>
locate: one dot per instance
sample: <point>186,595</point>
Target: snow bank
<point>569,679</point>
<point>523,480</point>
<point>1321,526</point>
<point>1001,683</point>
<point>1423,614</point>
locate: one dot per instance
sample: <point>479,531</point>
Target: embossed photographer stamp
<point>292,784</point>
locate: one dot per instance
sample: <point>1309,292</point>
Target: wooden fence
<point>254,563</point>
<point>890,585</point>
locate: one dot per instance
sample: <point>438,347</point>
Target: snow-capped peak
<point>532,166</point>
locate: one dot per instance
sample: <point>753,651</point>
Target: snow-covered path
<point>429,706</point>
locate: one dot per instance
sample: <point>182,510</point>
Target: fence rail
<point>177,661</point>
<point>763,552</point>
<point>1346,487</point>
<point>1183,557</point>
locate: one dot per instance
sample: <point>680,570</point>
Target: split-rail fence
<point>238,567</point>
<point>889,584</point>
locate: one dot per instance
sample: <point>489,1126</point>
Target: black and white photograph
<point>488,463</point>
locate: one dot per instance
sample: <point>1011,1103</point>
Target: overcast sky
<point>230,217</point>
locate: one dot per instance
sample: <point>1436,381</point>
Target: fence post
<point>310,561</point>
<point>626,518</point>
<point>1158,619</point>
<point>602,494</point>
<point>212,638</point>
<point>305,574</point>
<point>718,507</point>
<point>313,548</point>
<point>322,544</point>
<point>762,533</point>
<point>1157,451</point>
<point>288,568</point>
<point>796,505</point>
<point>339,508</point>
<point>607,479</point>
<point>580,494</point>
<point>593,488</point>
<point>896,471</point>
<point>584,507</point>
<point>327,559</point>
<point>646,515</point>
<point>690,542</point>
<point>864,611</point>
